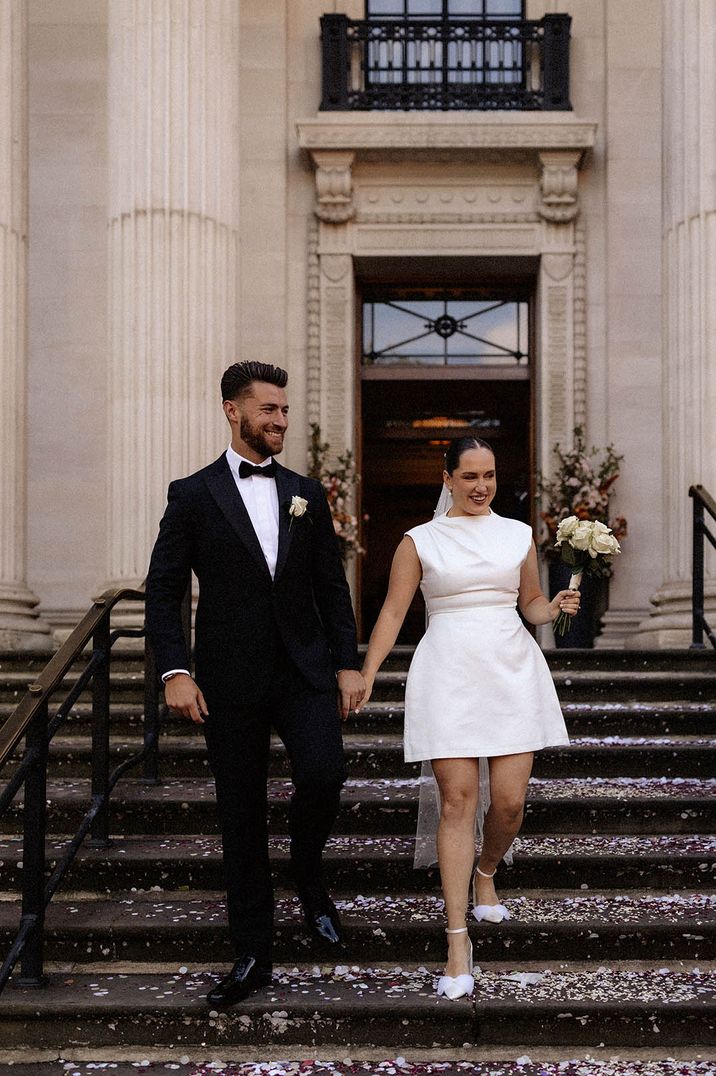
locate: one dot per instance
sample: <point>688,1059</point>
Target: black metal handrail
<point>31,719</point>
<point>703,502</point>
<point>415,64</point>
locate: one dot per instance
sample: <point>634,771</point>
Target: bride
<point>478,686</point>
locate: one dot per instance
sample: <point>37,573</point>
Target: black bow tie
<point>247,469</point>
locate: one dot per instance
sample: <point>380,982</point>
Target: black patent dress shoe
<point>320,915</point>
<point>245,978</point>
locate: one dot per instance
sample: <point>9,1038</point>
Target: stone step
<point>601,685</point>
<point>383,1061</point>
<point>375,1004</point>
<point>573,684</point>
<point>544,926</point>
<point>389,805</point>
<point>400,656</point>
<point>381,755</point>
<point>600,719</point>
<point>379,864</point>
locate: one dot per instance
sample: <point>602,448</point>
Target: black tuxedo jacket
<point>206,529</point>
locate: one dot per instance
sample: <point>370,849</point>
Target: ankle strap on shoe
<point>483,875</point>
<point>456,930</point>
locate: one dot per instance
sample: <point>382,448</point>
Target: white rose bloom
<point>581,535</point>
<point>298,506</point>
<point>566,529</point>
<point>604,542</point>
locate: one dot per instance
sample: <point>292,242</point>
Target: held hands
<point>184,696</point>
<point>368,691</point>
<point>351,688</point>
<point>566,601</point>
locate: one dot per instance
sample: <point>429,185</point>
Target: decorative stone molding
<point>520,201</point>
<point>334,187</point>
<point>363,134</point>
<point>20,627</point>
<point>336,140</point>
<point>559,186</point>
<point>579,331</point>
<point>173,254</point>
<point>313,318</point>
<point>447,218</point>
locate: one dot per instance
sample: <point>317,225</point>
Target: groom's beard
<point>255,438</point>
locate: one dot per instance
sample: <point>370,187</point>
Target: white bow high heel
<point>490,913</point>
<point>460,985</point>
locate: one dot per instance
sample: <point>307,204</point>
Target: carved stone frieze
<point>448,239</point>
<point>411,131</point>
<point>474,200</point>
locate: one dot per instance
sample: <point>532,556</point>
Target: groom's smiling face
<point>259,421</point>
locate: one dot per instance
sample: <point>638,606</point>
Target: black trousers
<point>238,744</point>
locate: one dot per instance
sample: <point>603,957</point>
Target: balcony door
<point>437,364</point>
<point>456,45</point>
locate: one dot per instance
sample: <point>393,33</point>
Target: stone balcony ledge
<point>366,134</point>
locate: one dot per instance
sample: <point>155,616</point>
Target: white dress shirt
<point>260,497</point>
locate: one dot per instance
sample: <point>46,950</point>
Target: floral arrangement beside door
<point>339,483</point>
<point>581,486</point>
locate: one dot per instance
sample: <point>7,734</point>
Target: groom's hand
<point>183,695</point>
<point>351,688</point>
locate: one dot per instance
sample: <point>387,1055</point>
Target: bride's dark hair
<point>463,444</point>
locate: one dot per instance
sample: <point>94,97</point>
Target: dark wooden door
<point>407,424</point>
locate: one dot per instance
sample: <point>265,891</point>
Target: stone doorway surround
<point>442,185</point>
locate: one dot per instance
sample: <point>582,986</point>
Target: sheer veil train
<point>426,853</point>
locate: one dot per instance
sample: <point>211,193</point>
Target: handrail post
<point>334,45</point>
<point>150,767</point>
<point>697,575</point>
<point>555,63</point>
<point>33,851</point>
<point>99,832</point>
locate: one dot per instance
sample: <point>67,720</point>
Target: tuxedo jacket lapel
<point>223,489</point>
<point>287,486</point>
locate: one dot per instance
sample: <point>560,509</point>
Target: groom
<point>275,646</point>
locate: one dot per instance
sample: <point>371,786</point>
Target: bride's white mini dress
<point>478,684</point>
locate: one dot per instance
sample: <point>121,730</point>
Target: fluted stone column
<point>20,627</point>
<point>689,310</point>
<point>173,235</point>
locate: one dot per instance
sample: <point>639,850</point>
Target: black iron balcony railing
<point>413,65</point>
<point>703,502</point>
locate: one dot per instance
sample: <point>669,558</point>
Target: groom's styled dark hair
<point>237,380</point>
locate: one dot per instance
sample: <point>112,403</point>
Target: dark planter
<point>586,625</point>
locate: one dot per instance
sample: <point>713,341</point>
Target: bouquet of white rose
<point>586,546</point>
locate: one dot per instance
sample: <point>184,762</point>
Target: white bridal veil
<point>426,853</point>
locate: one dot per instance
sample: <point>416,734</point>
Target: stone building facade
<point>173,197</point>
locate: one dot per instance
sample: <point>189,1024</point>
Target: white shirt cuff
<point>172,672</point>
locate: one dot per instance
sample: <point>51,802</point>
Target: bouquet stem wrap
<point>562,623</point>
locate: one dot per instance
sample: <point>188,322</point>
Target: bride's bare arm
<point>404,579</point>
<point>535,608</point>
